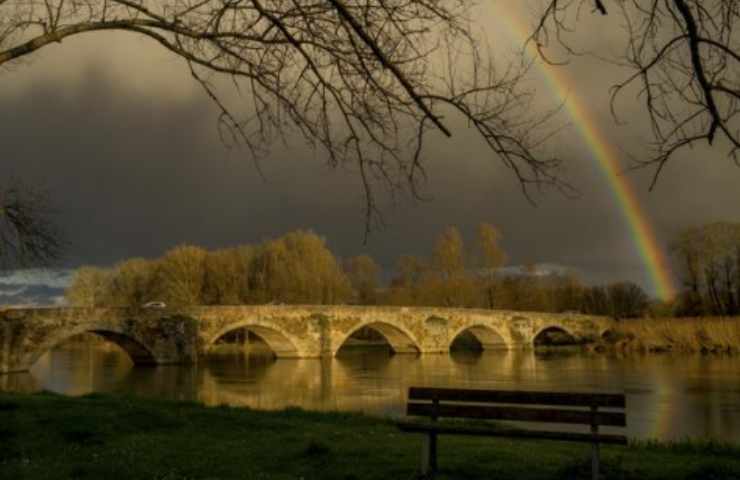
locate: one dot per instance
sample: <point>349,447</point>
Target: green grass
<point>46,436</point>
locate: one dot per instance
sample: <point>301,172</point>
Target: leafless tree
<point>28,235</point>
<point>710,260</point>
<point>367,81</point>
<point>685,57</point>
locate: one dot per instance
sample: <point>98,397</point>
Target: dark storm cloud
<point>134,173</point>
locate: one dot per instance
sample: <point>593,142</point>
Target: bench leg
<point>429,455</point>
<point>595,461</point>
<point>594,445</point>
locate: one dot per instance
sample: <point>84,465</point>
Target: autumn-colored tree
<point>408,271</point>
<point>180,275</point>
<point>131,282</point>
<point>364,275</point>
<point>269,265</point>
<point>565,292</point>
<point>439,285</point>
<point>226,278</point>
<point>459,290</point>
<point>491,257</point>
<point>298,268</point>
<point>89,287</point>
<point>449,254</point>
<point>448,283</point>
<point>534,287</point>
<point>531,290</point>
<point>511,294</point>
<point>405,282</point>
<point>245,255</point>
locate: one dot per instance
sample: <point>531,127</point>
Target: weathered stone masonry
<point>162,336</point>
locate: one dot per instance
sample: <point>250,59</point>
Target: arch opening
<point>241,341</point>
<point>609,335</point>
<point>379,335</point>
<point>366,339</point>
<point>253,339</point>
<point>138,353</point>
<point>478,338</point>
<point>554,337</point>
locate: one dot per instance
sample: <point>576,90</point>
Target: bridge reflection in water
<point>703,392</point>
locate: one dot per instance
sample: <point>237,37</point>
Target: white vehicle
<point>154,305</point>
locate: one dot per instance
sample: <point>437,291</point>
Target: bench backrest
<point>580,408</point>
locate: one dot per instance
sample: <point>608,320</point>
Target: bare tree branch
<point>358,79</point>
<point>28,235</point>
<point>686,60</point>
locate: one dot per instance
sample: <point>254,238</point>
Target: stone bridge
<point>182,335</point>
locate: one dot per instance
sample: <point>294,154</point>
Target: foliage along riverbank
<point>300,268</point>
<point>94,437</point>
<point>680,335</point>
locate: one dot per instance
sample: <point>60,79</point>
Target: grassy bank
<point>685,335</point>
<point>101,437</point>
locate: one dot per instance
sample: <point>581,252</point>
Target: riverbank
<point>680,335</point>
<point>96,436</point>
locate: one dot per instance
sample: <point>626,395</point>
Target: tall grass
<point>704,334</point>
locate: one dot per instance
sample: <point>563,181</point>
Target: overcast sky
<point>127,147</point>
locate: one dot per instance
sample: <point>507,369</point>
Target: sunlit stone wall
<point>181,335</point>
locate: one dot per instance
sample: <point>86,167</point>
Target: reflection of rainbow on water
<point>669,397</point>
<point>659,402</point>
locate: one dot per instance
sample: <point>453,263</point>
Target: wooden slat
<point>608,400</point>
<point>545,415</point>
<point>511,433</point>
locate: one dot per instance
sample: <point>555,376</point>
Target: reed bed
<point>704,334</point>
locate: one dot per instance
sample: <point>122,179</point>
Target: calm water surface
<point>668,397</point>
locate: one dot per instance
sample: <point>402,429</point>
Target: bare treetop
<point>28,235</point>
<point>685,57</point>
<point>363,80</point>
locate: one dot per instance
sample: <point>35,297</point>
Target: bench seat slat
<point>516,414</point>
<point>607,400</point>
<point>512,433</point>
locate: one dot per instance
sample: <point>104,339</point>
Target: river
<point>669,397</point>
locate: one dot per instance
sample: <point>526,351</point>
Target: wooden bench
<point>570,408</point>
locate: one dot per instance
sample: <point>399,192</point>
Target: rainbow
<point>607,158</point>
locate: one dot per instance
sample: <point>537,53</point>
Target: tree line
<point>475,277</point>
<point>299,268</point>
<point>295,268</point>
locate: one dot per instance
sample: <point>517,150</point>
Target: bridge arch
<point>553,328</point>
<point>489,337</point>
<point>279,341</point>
<point>608,334</point>
<point>135,348</point>
<point>399,338</point>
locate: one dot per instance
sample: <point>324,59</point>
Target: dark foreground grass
<point>46,436</point>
